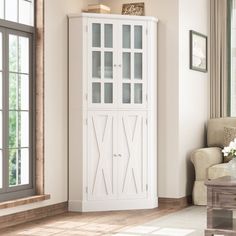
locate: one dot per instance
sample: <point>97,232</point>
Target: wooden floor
<point>100,223</point>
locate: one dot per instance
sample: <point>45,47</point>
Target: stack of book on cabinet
<point>98,8</point>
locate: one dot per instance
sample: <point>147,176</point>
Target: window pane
<point>24,129</point>
<point>1,55</point>
<point>24,92</point>
<point>11,10</point>
<point>18,167</point>
<point>126,65</point>
<point>96,93</point>
<point>1,169</point>
<point>1,130</point>
<point>108,36</point>
<point>18,129</point>
<point>13,91</point>
<point>24,173</point>
<point>0,90</point>
<point>13,53</point>
<point>13,129</point>
<point>108,57</point>
<point>1,9</point>
<point>13,162</point>
<point>96,28</point>
<point>108,92</point>
<point>126,36</point>
<point>26,12</point>
<point>138,93</point>
<point>126,93</point>
<point>18,92</point>
<point>138,65</point>
<point>23,55</point>
<point>138,37</point>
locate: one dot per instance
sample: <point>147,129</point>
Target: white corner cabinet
<point>112,112</point>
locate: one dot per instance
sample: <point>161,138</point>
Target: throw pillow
<point>229,135</point>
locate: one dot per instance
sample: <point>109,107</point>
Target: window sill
<point>24,201</point>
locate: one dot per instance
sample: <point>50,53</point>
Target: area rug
<point>190,221</point>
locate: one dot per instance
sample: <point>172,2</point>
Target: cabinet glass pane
<point>96,73</point>
<point>138,37</point>
<point>138,93</point>
<point>108,65</point>
<point>96,28</point>
<point>126,93</point>
<point>11,10</point>
<point>126,36</point>
<point>138,64</point>
<point>126,65</point>
<point>108,36</point>
<point>108,93</point>
<point>96,91</point>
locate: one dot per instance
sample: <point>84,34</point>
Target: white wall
<point>182,93</point>
<point>55,100</point>
<point>193,90</point>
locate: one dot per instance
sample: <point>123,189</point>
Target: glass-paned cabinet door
<point>133,81</point>
<point>101,63</point>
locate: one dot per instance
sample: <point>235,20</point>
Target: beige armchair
<point>208,162</point>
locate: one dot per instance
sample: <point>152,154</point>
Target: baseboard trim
<point>34,214</point>
<point>112,205</point>
<point>176,202</point>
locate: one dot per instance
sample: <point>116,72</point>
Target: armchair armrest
<point>204,158</point>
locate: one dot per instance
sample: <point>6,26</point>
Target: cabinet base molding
<point>34,214</point>
<point>112,205</point>
<point>176,202</point>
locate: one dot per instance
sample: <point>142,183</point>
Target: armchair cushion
<point>204,158</point>
<point>215,130</point>
<point>218,171</point>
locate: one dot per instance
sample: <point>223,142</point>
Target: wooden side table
<point>221,202</point>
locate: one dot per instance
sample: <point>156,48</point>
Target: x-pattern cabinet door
<point>132,148</point>
<point>117,155</point>
<point>101,162</point>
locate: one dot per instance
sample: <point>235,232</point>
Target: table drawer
<point>224,198</point>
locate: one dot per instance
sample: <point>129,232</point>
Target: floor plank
<point>86,224</point>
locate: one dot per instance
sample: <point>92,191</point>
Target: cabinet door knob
<point>120,65</point>
<point>114,155</point>
<point>114,65</point>
<point>119,155</point>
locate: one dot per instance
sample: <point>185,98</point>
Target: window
<point>16,99</point>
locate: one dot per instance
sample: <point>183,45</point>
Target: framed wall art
<point>198,51</point>
<point>133,9</point>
